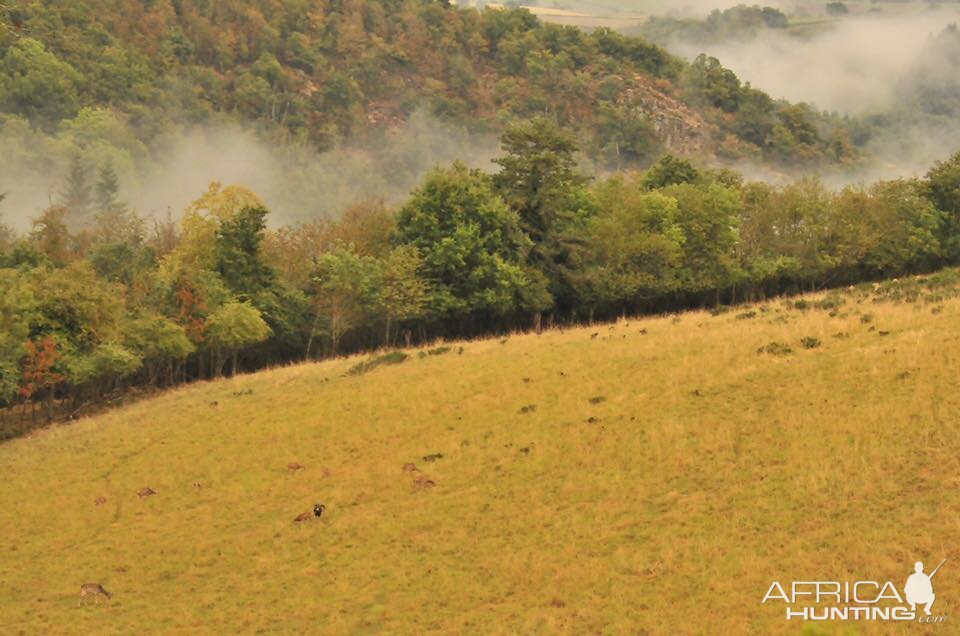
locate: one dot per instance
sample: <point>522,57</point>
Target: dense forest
<point>96,297</point>
<point>113,78</point>
<point>469,253</point>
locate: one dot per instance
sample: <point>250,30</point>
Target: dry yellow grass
<point>700,472</point>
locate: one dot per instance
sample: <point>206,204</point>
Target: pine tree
<point>76,195</point>
<point>115,222</point>
<point>108,185</point>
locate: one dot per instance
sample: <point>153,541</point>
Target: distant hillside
<point>653,476</point>
<point>901,105</point>
<point>330,72</point>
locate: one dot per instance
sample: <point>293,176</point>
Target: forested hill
<point>325,72</point>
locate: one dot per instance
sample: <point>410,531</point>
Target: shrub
<point>394,357</point>
<point>810,343</point>
<point>831,302</point>
<point>776,349</point>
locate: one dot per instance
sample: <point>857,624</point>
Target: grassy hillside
<point>653,478</point>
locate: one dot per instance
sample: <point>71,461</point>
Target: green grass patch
<point>394,357</point>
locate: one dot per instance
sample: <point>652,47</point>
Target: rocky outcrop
<point>682,130</point>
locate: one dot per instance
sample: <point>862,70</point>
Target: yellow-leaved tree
<point>199,224</point>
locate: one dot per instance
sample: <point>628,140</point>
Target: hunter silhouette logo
<point>859,600</point>
<point>919,588</point>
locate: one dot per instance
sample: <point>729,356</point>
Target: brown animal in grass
<point>422,482</point>
<point>146,492</point>
<point>316,512</point>
<point>410,468</point>
<point>99,501</point>
<point>294,466</point>
<point>95,590</point>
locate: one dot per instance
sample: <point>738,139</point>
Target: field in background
<point>590,15</point>
<point>807,16</point>
<point>652,476</point>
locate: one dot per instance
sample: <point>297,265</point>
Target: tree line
<point>91,309</point>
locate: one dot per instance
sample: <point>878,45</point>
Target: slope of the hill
<point>332,70</point>
<point>653,476</point>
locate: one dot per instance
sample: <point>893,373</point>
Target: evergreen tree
<point>115,222</point>
<point>107,187</point>
<point>76,195</point>
<point>239,260</point>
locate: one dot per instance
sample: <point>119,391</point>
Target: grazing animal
<point>422,482</point>
<point>99,501</point>
<point>593,335</point>
<point>146,492</point>
<point>95,590</point>
<point>409,468</point>
<point>294,466</point>
<point>197,485</point>
<point>307,516</point>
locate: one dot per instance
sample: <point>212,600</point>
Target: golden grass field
<point>660,483</point>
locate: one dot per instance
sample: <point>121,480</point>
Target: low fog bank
<point>702,8</point>
<point>297,183</point>
<point>882,69</point>
<point>853,66</point>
